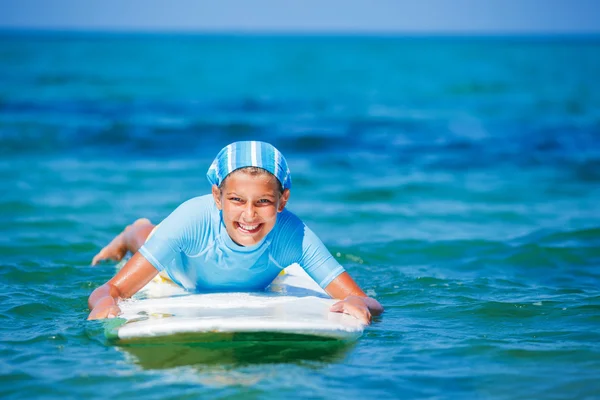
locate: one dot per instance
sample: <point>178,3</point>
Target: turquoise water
<point>457,179</point>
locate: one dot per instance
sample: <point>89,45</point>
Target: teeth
<point>248,227</point>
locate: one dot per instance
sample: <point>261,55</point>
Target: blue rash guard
<point>193,247</point>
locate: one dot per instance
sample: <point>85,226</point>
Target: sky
<point>307,16</point>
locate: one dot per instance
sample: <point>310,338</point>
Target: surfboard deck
<point>293,308</point>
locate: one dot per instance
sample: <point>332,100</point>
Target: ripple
<point>31,273</point>
<point>17,207</point>
<point>31,310</point>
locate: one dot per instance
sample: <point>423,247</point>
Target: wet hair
<point>254,171</point>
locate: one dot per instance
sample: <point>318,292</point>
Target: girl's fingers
<point>361,313</point>
<point>337,307</point>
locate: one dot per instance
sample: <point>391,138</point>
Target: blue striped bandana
<point>249,154</point>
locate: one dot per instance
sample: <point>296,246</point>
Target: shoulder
<point>201,208</point>
<point>288,222</point>
<point>199,202</point>
<point>193,219</point>
<point>292,230</point>
<point>200,205</point>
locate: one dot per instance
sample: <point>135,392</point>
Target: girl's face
<point>250,204</point>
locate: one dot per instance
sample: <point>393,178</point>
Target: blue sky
<point>335,16</point>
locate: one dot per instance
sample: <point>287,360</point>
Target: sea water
<point>456,179</point>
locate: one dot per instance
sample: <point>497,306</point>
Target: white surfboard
<point>293,308</point>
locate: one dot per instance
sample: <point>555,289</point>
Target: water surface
<point>457,179</point>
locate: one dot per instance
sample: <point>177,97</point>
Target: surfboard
<point>292,308</point>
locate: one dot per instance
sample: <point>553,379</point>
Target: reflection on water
<point>236,353</point>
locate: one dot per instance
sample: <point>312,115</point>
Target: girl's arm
<point>355,302</point>
<point>129,280</point>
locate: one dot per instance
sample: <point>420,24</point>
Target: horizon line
<point>296,32</point>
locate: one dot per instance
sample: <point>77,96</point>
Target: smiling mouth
<point>248,229</point>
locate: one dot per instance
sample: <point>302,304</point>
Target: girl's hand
<point>129,280</point>
<point>355,306</point>
<point>105,308</point>
<point>356,302</point>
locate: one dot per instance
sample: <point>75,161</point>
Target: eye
<point>265,201</point>
<point>235,199</point>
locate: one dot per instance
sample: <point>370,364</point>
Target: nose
<point>249,212</point>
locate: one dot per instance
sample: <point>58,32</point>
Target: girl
<point>237,239</point>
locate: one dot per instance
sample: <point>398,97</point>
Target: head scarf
<point>249,154</point>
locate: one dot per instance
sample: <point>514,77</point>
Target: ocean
<point>455,178</point>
